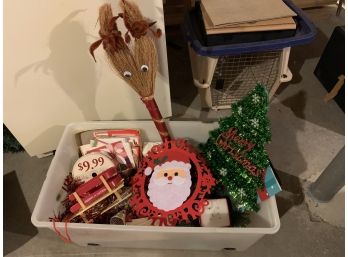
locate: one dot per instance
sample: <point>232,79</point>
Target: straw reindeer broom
<point>137,65</point>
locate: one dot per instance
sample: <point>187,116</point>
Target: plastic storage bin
<point>225,73</point>
<point>266,221</point>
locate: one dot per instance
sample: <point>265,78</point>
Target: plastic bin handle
<point>199,84</point>
<point>287,76</point>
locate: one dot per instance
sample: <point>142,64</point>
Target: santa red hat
<point>168,159</point>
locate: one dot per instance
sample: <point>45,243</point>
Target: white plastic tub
<point>266,221</point>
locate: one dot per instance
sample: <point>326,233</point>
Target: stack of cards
<point>123,146</point>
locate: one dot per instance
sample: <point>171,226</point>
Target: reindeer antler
<point>134,21</point>
<point>109,34</point>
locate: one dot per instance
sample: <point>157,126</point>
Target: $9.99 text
<point>86,165</point>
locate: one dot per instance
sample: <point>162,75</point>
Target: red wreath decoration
<point>193,206</point>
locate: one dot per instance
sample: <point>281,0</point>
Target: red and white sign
<point>91,165</point>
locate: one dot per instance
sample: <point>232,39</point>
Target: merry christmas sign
<point>235,150</point>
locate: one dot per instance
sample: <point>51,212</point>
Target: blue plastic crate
<point>305,33</point>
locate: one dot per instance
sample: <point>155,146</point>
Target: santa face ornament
<point>170,185</point>
<point>163,188</point>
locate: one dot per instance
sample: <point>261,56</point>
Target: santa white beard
<point>166,196</point>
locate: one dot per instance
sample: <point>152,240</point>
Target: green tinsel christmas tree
<point>235,151</point>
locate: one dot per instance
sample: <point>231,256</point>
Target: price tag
<point>91,165</point>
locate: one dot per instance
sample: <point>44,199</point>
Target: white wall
<point>51,80</point>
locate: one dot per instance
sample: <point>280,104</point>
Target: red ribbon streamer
<point>66,238</point>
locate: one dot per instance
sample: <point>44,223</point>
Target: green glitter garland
<point>249,118</point>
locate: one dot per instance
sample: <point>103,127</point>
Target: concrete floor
<point>307,134</point>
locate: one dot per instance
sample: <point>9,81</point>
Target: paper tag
<point>148,145</point>
<point>91,165</point>
<point>96,144</point>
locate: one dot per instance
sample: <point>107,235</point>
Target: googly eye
<point>127,74</point>
<point>144,68</point>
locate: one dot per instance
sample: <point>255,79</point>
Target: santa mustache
<point>176,180</point>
